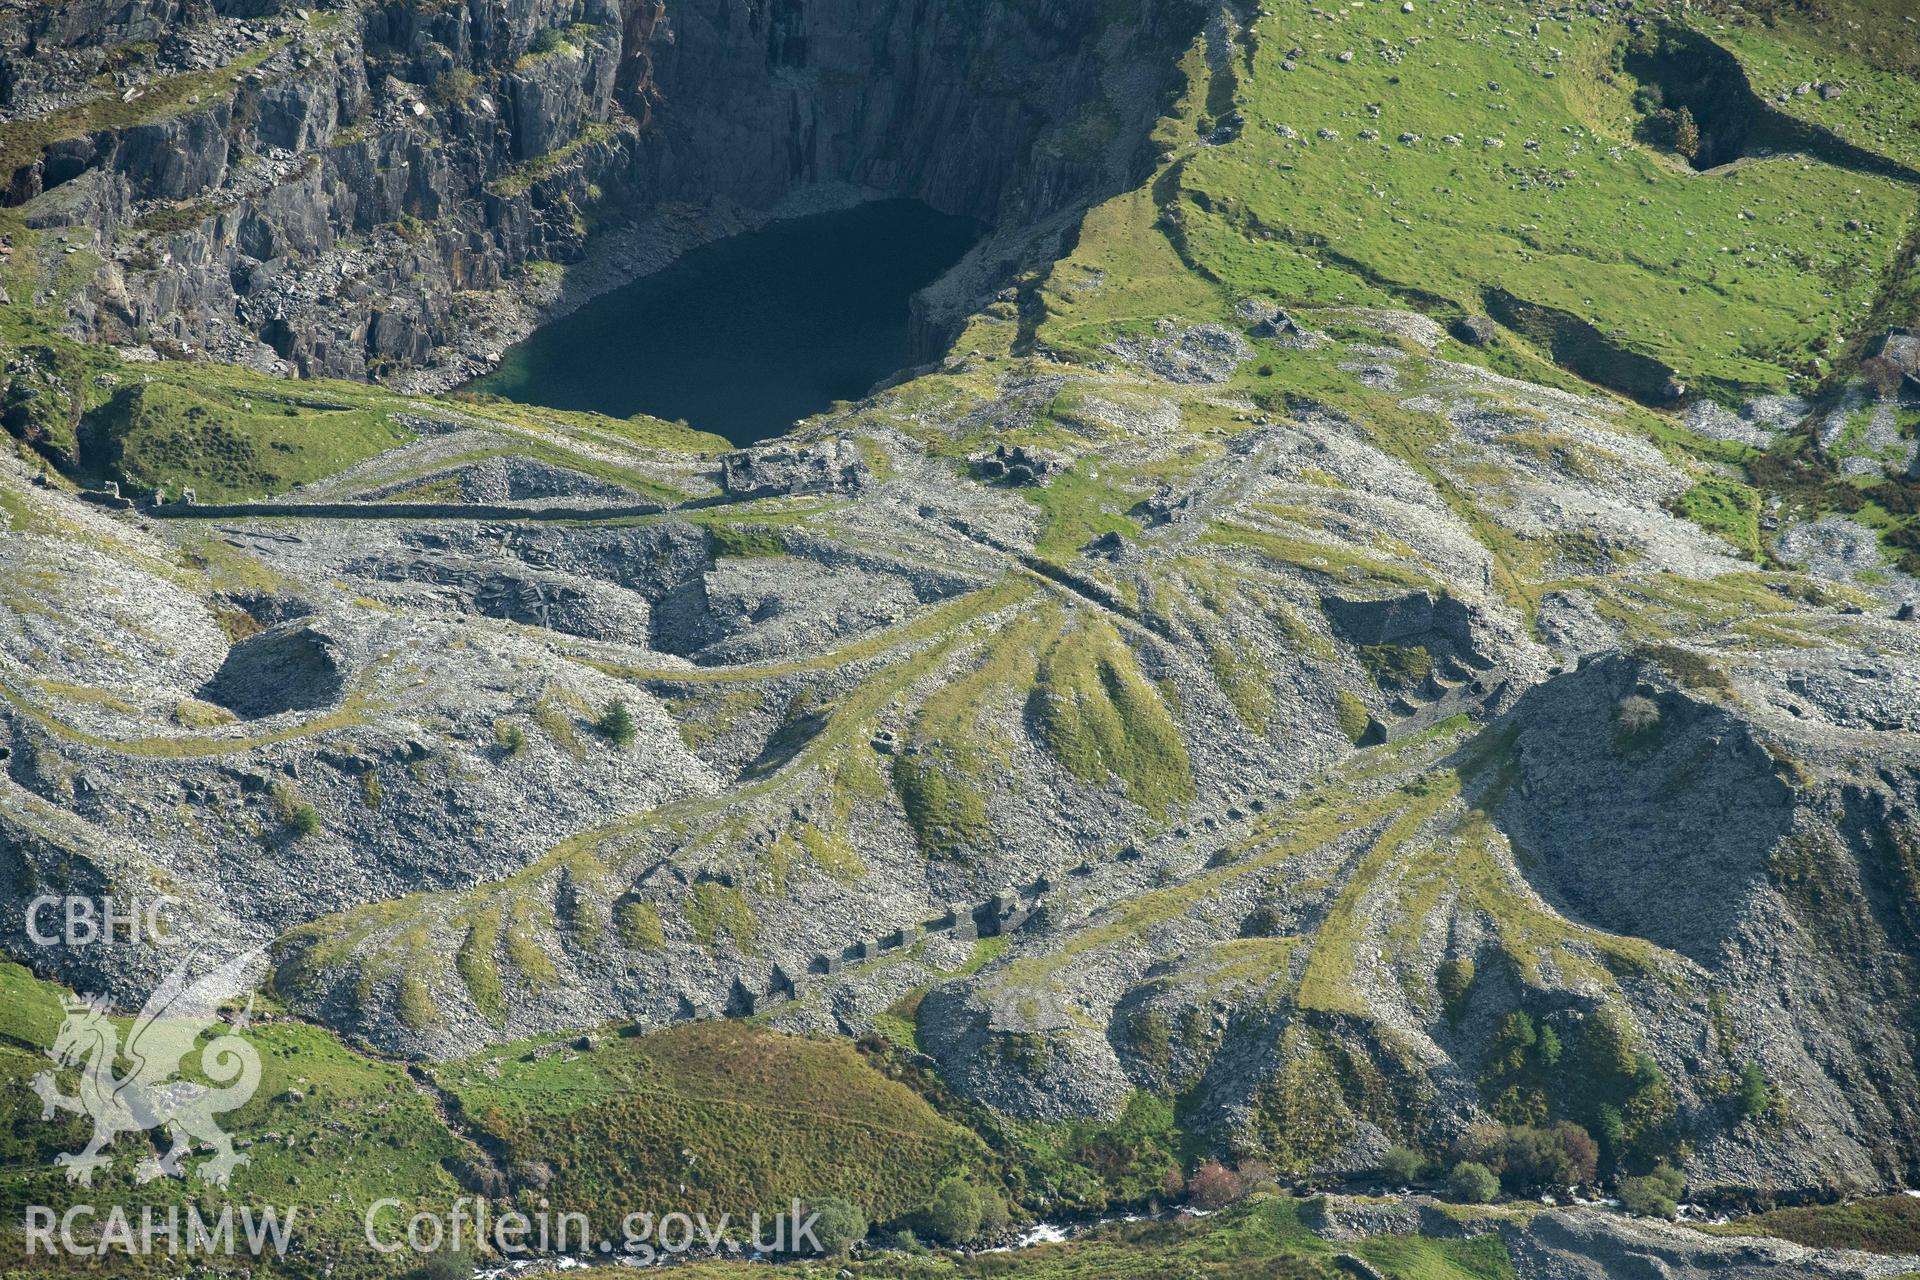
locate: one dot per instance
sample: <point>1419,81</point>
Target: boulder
<point>1475,330</point>
<point>824,466</point>
<point>1901,348</point>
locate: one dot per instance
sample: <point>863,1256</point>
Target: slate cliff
<point>329,193</point>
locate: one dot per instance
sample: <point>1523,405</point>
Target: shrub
<point>453,87</point>
<point>1482,1143</point>
<point>1656,1195</point>
<point>616,724</point>
<point>1518,1075</point>
<point>1883,375</point>
<point>904,1241</point>
<point>1127,1160</point>
<point>1620,1093</point>
<point>954,1213</point>
<point>1514,1041</point>
<point>1611,1126</point>
<point>1686,134</point>
<point>1636,722</point>
<point>1213,1186</point>
<point>1403,1165</point>
<point>1256,1175</point>
<point>993,1213</point>
<point>1471,1183</point>
<point>1563,1155</point>
<point>301,818</point>
<point>1582,1153</point>
<point>1529,1157</point>
<point>548,39</point>
<point>838,1225</point>
<point>1455,980</point>
<point>447,1264</point>
<point>1756,1098</point>
<point>509,737</point>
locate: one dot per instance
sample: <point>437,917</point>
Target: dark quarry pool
<point>744,336</point>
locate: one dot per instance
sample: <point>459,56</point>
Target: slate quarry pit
<point>747,335</point>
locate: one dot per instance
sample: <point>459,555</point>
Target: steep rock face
<point>316,211</point>
<point>321,219</point>
<point>936,99</point>
<point>83,21</point>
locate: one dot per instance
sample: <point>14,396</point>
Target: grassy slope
<point>1869,47</point>
<point>768,1117</point>
<point>360,1131</point>
<point>1263,1237</point>
<point>1725,276</point>
<point>175,437</point>
<point>743,1119</point>
<point>1890,1224</point>
<point>1729,278</point>
<point>763,1116</point>
<point>234,434</point>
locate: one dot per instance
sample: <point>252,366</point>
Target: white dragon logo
<point>150,1096</point>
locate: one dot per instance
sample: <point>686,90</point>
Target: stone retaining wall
<point>395,511</point>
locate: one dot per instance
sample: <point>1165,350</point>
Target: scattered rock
<point>1015,464</point>
<point>784,470</point>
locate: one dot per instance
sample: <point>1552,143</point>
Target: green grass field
<point>1499,164</point>
<point>743,1119</point>
<point>230,448</point>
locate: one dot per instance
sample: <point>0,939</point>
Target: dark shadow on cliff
<point>1681,70</point>
<point>1642,809</point>
<point>289,668</point>
<point>1574,344</point>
